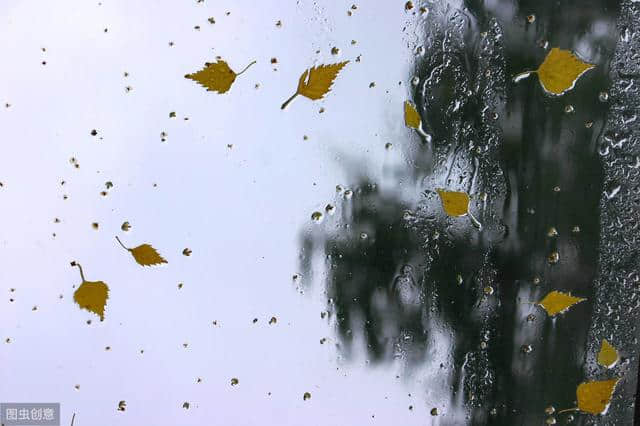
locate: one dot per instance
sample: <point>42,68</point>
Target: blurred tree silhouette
<point>399,272</point>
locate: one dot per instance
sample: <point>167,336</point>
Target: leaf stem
<point>568,409</point>
<point>123,246</point>
<point>475,221</point>
<point>246,68</point>
<point>523,75</point>
<point>288,101</point>
<point>74,263</point>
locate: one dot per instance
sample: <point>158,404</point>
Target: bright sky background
<point>240,210</point>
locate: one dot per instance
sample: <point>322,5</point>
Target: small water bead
<point>603,96</point>
<point>330,209</point>
<point>556,189</point>
<point>339,189</point>
<point>550,410</point>
<point>317,217</point>
<point>554,257</point>
<point>531,18</point>
<point>568,109</point>
<point>588,124</point>
<point>388,146</point>
<point>526,349</point>
<point>536,280</point>
<point>363,236</point>
<point>488,290</point>
<point>483,345</point>
<point>551,420</point>
<point>603,150</point>
<point>552,232</point>
<point>348,194</point>
<point>415,80</point>
<point>531,318</point>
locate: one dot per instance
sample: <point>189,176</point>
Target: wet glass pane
<point>320,212</point>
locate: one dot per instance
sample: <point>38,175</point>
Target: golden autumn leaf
<point>557,302</point>
<point>559,71</point>
<point>456,203</point>
<point>412,119</point>
<point>216,77</point>
<point>594,397</point>
<point>91,295</point>
<point>316,82</point>
<point>608,355</point>
<point>144,254</point>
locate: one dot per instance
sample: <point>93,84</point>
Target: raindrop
<point>603,96</point>
<point>526,349</point>
<point>317,217</point>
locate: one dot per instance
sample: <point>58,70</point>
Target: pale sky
<point>241,210</point>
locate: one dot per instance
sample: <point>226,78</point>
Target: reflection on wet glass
<point>490,318</point>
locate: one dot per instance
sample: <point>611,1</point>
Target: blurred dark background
<point>400,273</point>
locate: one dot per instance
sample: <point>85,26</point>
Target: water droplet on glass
<point>612,192</point>
<point>603,96</point>
<point>317,217</point>
<point>526,349</point>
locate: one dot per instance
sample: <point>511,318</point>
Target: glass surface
<point>313,274</point>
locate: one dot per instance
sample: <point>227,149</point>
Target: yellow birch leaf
<point>144,254</point>
<point>594,397</point>
<point>454,203</point>
<point>608,355</point>
<point>216,77</point>
<point>557,302</point>
<point>91,295</point>
<point>559,71</point>
<point>411,117</point>
<point>316,82</point>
